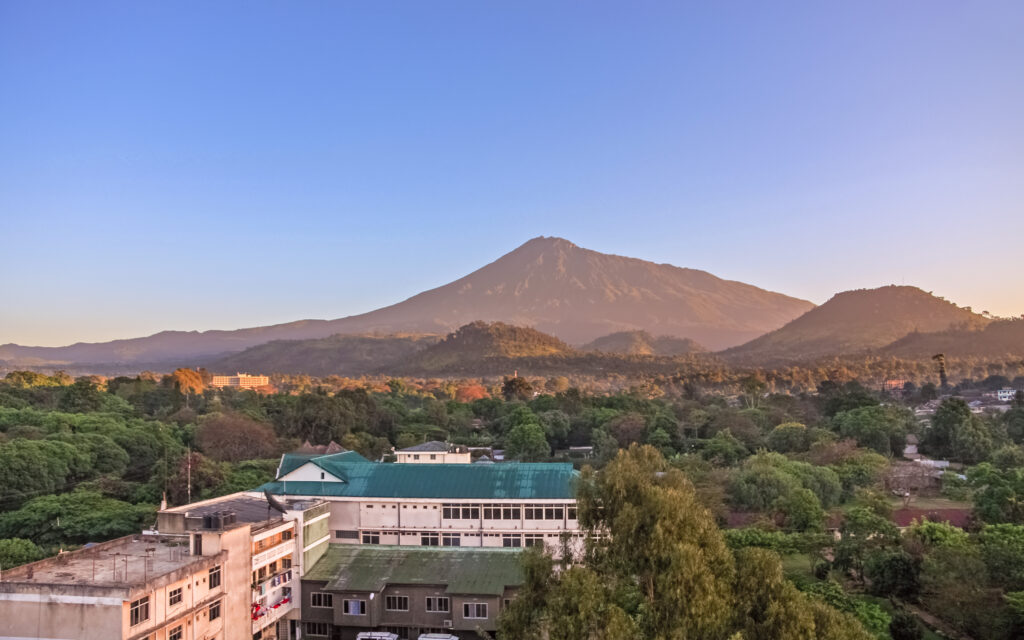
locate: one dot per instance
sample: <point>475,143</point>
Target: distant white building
<point>240,380</point>
<point>1006,395</point>
<point>435,452</point>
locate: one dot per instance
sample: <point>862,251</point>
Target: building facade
<point>507,505</point>
<point>407,591</point>
<point>144,587</point>
<point>240,380</point>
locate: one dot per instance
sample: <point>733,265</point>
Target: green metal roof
<point>370,568</point>
<point>507,481</point>
<point>292,461</point>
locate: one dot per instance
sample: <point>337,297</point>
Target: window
<point>451,540</point>
<point>476,610</point>
<point>286,563</point>
<point>438,605</point>
<point>318,629</point>
<point>571,511</point>
<point>433,457</point>
<point>511,540</point>
<point>346,535</point>
<point>215,610</point>
<point>553,513</point>
<point>396,603</point>
<point>215,577</point>
<point>174,597</point>
<point>139,611</point>
<point>460,511</point>
<point>510,513</point>
<point>429,539</point>
<point>416,456</point>
<point>533,539</point>
<point>354,607</point>
<point>371,537</point>
<point>321,599</point>
<point>175,633</point>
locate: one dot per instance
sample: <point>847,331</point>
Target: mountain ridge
<point>550,284</point>
<point>856,322</point>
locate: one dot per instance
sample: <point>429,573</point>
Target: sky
<point>197,165</point>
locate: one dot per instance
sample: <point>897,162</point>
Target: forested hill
<point>994,340</point>
<point>643,343</point>
<point>482,341</point>
<point>347,355</point>
<point>547,283</point>
<point>854,322</point>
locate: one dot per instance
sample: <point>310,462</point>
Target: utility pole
<point>188,480</point>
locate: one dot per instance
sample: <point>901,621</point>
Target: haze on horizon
<point>196,166</point>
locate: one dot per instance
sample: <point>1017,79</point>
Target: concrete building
<point>455,505</point>
<point>434,452</point>
<point>135,588</point>
<point>407,591</point>
<point>265,551</point>
<point>240,380</point>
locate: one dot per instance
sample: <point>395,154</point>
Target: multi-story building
<point>354,591</point>
<point>435,452</point>
<point>240,380</point>
<point>267,545</point>
<point>455,505</point>
<point>143,587</point>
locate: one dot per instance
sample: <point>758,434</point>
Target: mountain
<point>547,283</point>
<point>999,338</point>
<point>346,355</point>
<point>642,343</point>
<point>855,322</point>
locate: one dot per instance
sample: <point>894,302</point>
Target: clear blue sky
<point>198,165</point>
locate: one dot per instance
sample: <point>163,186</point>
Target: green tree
<point>16,551</point>
<point>516,388</point>
<point>526,442</point>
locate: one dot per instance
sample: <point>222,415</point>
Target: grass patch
<point>930,503</point>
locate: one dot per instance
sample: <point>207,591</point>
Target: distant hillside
<point>480,341</point>
<point>336,355</point>
<point>547,283</point>
<point>997,339</point>
<point>643,343</point>
<point>854,322</point>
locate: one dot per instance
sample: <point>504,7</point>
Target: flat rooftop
<point>462,570</point>
<point>124,562</point>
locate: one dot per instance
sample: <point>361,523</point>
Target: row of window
<point>141,607</point>
<point>138,612</point>
<point>436,604</point>
<point>502,512</point>
<point>449,539</point>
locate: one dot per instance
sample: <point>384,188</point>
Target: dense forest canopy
<point>768,467</point>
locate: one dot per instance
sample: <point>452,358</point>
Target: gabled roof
<point>433,446</point>
<point>371,568</point>
<point>510,481</point>
<point>292,461</point>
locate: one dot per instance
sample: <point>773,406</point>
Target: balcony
<point>265,615</point>
<point>280,550</point>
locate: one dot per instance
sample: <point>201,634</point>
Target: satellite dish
<point>274,502</point>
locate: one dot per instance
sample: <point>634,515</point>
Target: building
<point>407,591</point>
<point>455,505</point>
<point>240,380</point>
<point>266,544</point>
<point>1006,395</point>
<point>144,587</point>
<point>435,452</point>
